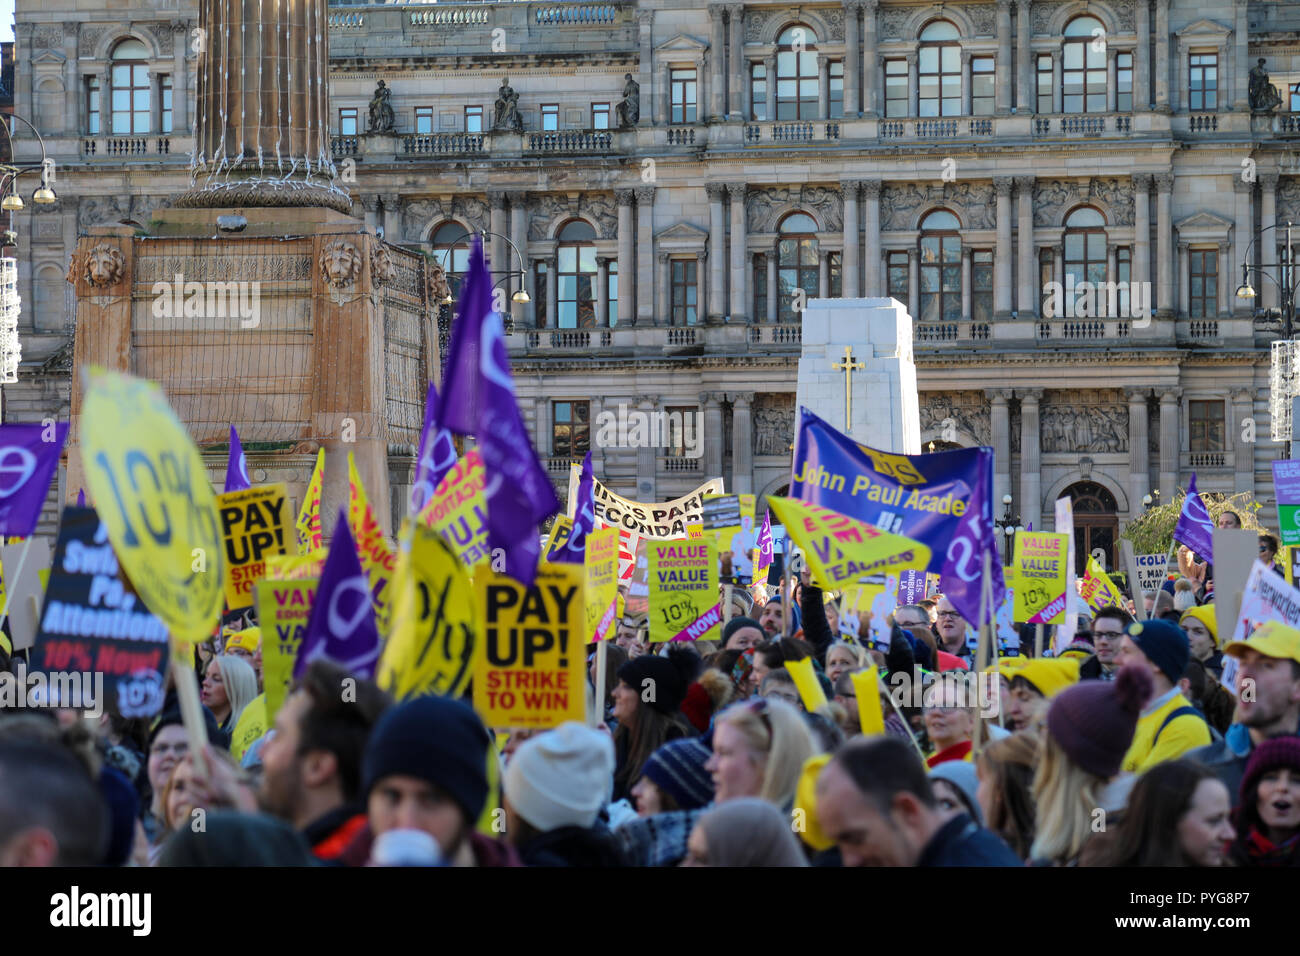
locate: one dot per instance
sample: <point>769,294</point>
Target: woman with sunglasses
<point>759,749</point>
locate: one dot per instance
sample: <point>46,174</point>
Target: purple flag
<point>584,517</point>
<point>81,497</point>
<point>478,398</point>
<point>436,457</point>
<point>963,569</point>
<point>765,546</point>
<point>236,465</point>
<point>342,622</point>
<point>28,456</point>
<point>1194,528</point>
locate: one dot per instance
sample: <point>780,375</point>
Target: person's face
<point>629,639</point>
<point>833,618</point>
<point>950,801</point>
<point>951,626</point>
<point>280,792</point>
<point>744,639</point>
<point>1229,520</point>
<point>648,797</point>
<point>1278,799</point>
<point>784,692</point>
<point>852,722</point>
<point>1106,635</point>
<point>839,660</point>
<point>756,675</point>
<point>180,802</point>
<point>399,802</point>
<point>1198,638</point>
<point>1205,830</point>
<point>214,689</point>
<point>697,848</point>
<point>948,725</point>
<point>1023,707</point>
<point>1266,552</point>
<point>517,738</point>
<point>169,746</point>
<point>864,835</point>
<point>1130,653</point>
<point>625,702</point>
<point>908,618</point>
<point>773,618</point>
<point>1266,689</point>
<point>737,770</point>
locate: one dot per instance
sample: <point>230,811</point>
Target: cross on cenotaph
<point>848,366</point>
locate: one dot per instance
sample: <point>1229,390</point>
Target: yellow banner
<point>295,567</point>
<point>805,679</point>
<point>153,495</point>
<point>871,717</point>
<point>683,577</point>
<point>1097,588</point>
<point>458,510</point>
<point>841,550</point>
<point>377,557</point>
<point>561,531</point>
<point>1041,563</point>
<point>602,583</point>
<point>255,525</point>
<point>431,647</point>
<point>308,524</point>
<point>530,667</point>
<point>283,608</point>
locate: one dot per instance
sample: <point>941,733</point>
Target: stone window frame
<point>908,50</point>
<point>1052,44</point>
<point>1185,422</point>
<point>1218,42</point>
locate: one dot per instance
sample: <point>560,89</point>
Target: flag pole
<point>11,584</point>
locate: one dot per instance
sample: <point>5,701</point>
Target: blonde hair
<point>240,681</point>
<point>168,824</point>
<point>1066,797</point>
<point>786,747</point>
<point>858,652</point>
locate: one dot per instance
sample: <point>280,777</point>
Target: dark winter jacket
<point>816,627</point>
<point>487,851</point>
<point>1091,669</point>
<point>963,842</point>
<point>573,846</point>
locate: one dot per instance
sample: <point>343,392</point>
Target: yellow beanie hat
<point>1205,614</point>
<point>1050,675</point>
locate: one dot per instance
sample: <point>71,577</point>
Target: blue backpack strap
<point>1174,715</point>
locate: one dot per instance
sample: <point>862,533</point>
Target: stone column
<point>751,284</point>
<point>180,78</point>
<point>823,87</point>
<point>965,83</point>
<point>713,432</point>
<point>392,217</point>
<point>1001,421</point>
<point>518,236</point>
<point>155,102</point>
<point>772,303</point>
<point>913,87</point>
<point>552,292</point>
<point>645,242</point>
<point>701,286</point>
<point>646,466</point>
<point>717,53</point>
<point>1170,434</point>
<point>965,283</point>
<point>645,75</point>
<point>742,443</point>
<point>626,262</point>
<point>1242,232</point>
<point>664,315</point>
<point>1026,296</point>
<point>1002,257</point>
<point>370,203</point>
<point>1164,243</point>
<point>1058,266</point>
<point>870,98</point>
<point>852,287</point>
<point>1112,79</point>
<point>1112,263</point>
<point>736,60</point>
<point>1227,280</point>
<point>1031,465</point>
<point>852,63</point>
<point>871,210</point>
<point>602,292</point>
<point>1139,468</point>
<point>913,281</point>
<point>1268,236</point>
<point>23,37</point>
<point>824,275</point>
<point>1057,101</point>
<point>530,310</point>
<point>717,254</point>
<point>497,243</point>
<point>1183,301</point>
<point>1142,60</point>
<point>769,70</point>
<point>72,94</point>
<point>663,102</point>
<point>1001,66</point>
<point>739,302</point>
<point>1142,226</point>
<point>1024,60</point>
<point>1243,457</point>
<point>1241,57</point>
<point>1162,58</point>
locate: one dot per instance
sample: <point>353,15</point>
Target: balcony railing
<point>791,133</point>
<point>681,136</point>
<point>760,334</point>
<point>345,146</point>
<point>957,127</point>
<point>1085,126</point>
<point>1084,330</point>
<point>346,21</point>
<point>451,17</point>
<point>118,147</point>
<point>681,336</point>
<point>1289,123</point>
<point>571,141</point>
<point>575,14</point>
<point>679,464</point>
<point>933,332</point>
<point>1198,330</point>
<point>571,340</point>
<point>443,143</point>
<point>1207,459</point>
<point>560,466</point>
<point>1203,123</point>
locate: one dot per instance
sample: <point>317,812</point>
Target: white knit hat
<point>561,778</point>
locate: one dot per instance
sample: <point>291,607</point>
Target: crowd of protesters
<point>1123,749</point>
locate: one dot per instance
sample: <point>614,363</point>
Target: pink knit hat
<point>1094,720</point>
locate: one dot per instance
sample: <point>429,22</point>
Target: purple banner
<point>436,457</point>
<point>342,622</point>
<point>28,456</point>
<point>1194,528</point>
<point>236,465</point>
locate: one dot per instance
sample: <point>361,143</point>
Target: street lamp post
<point>521,296</point>
<point>1285,280</point>
<point>1009,525</point>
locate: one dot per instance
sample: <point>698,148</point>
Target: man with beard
<point>311,764</point>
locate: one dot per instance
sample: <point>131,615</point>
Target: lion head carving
<point>340,264</point>
<point>436,280</point>
<point>103,265</point>
<point>382,267</point>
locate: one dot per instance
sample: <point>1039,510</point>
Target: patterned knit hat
<point>1094,721</point>
<point>677,768</point>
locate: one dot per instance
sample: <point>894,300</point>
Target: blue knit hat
<point>796,618</point>
<point>677,768</point>
<point>1164,643</point>
<point>434,739</point>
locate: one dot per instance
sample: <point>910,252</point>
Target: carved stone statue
<point>103,266</point>
<point>381,109</point>
<point>439,289</point>
<point>507,109</point>
<point>629,108</point>
<point>340,264</point>
<point>1264,97</point>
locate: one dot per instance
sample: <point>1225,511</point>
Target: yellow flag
<point>308,523</point>
<point>866,684</point>
<point>810,688</point>
<point>377,557</point>
<point>1097,588</point>
<point>841,550</point>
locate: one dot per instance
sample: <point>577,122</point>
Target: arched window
<point>1085,252</point>
<point>451,251</point>
<point>938,71</point>
<point>1083,67</point>
<point>130,93</point>
<point>796,263</point>
<point>576,272</point>
<point>1096,524</point>
<point>940,267</point>
<point>796,73</point>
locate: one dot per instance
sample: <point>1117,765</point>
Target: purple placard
<point>911,587</point>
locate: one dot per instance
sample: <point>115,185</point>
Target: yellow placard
<point>1097,588</point>
<point>307,525</point>
<point>154,497</point>
<point>841,550</point>
<point>561,531</point>
<point>296,567</point>
<point>683,580</point>
<point>866,684</point>
<point>1041,564</point>
<point>430,649</point>
<point>458,510</point>
<point>377,556</point>
<point>530,666</point>
<point>254,523</point>
<point>283,608</point>
<point>601,568</point>
<point>810,688</point>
